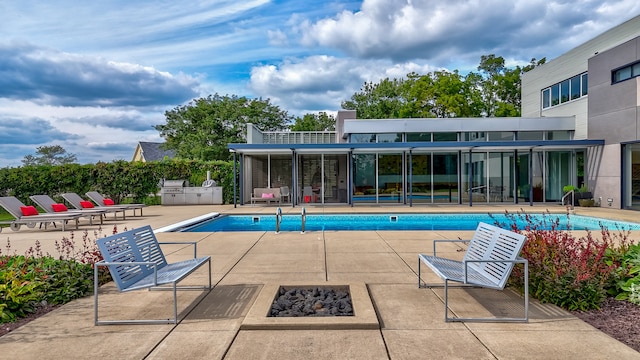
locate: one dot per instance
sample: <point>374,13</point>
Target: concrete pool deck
<point>411,324</point>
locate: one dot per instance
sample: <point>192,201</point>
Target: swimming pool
<point>355,222</point>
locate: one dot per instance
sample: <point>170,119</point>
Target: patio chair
<point>28,215</point>
<point>308,195</point>
<point>285,193</point>
<point>102,201</point>
<point>79,203</point>
<point>52,207</point>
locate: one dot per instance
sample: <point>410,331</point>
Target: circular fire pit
<point>312,301</point>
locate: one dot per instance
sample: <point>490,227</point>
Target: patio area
<point>411,324</point>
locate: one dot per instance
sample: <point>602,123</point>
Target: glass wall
<point>280,171</point>
<point>500,172</point>
<point>445,177</point>
<point>631,181</point>
<point>364,178</point>
<point>559,173</point>
<point>390,178</point>
<point>335,179</point>
<point>267,171</point>
<point>322,178</point>
<point>474,167</point>
<point>523,187</point>
<point>419,137</point>
<point>420,178</point>
<point>259,170</point>
<point>310,178</point>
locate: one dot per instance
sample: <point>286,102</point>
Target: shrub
<point>626,280</point>
<point>570,272</point>
<point>36,279</point>
<point>21,287</point>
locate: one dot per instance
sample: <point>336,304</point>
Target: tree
<point>203,128</point>
<point>501,86</point>
<point>315,122</point>
<point>49,155</point>
<point>379,101</point>
<point>493,91</point>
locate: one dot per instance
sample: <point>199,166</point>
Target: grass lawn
<point>5,216</point>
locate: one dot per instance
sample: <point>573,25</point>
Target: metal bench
<point>488,261</point>
<point>135,261</point>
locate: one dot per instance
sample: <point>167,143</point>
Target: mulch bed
<point>9,327</point>
<point>616,318</point>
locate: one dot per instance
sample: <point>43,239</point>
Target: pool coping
<point>590,221</point>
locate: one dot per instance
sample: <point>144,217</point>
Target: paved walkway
<point>411,319</point>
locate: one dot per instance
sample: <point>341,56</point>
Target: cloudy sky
<point>96,76</point>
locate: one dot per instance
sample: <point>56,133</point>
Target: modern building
<point>598,83</point>
<point>564,137</point>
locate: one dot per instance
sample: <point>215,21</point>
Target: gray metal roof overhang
<point>395,147</point>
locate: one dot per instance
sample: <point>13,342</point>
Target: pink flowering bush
<point>571,272</point>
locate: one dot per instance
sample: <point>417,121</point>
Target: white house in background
<point>151,151</point>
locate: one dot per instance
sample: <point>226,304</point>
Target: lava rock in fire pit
<point>316,301</point>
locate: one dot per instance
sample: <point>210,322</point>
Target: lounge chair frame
<point>13,204</point>
<point>46,202</point>
<point>97,198</point>
<point>75,201</point>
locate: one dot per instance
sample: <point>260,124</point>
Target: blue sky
<point>95,77</point>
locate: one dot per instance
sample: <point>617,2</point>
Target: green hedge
<point>120,180</point>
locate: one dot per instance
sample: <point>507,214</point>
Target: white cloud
<point>441,31</point>
<point>55,77</point>
<point>317,83</point>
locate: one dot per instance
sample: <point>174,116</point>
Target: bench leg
<point>419,281</point>
<point>175,304</point>
<point>525,318</point>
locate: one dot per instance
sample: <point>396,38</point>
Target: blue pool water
<point>390,222</point>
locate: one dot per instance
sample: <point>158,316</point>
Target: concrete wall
<point>572,63</point>
<point>614,115</point>
<point>604,169</point>
<point>613,108</point>
<point>342,115</point>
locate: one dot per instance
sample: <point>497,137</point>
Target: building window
<point>564,91</point>
<point>419,137</point>
<point>530,135</point>
<point>626,73</point>
<point>389,138</point>
<point>555,95</point>
<point>445,136</point>
<point>500,136</point>
<point>575,87</point>
<point>363,138</point>
<point>546,98</point>
<point>475,136</point>
<point>559,135</point>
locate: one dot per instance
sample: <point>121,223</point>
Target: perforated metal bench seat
<point>488,262</point>
<point>455,271</point>
<point>136,261</point>
<point>172,273</point>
